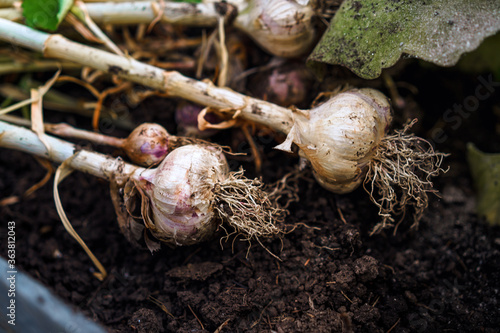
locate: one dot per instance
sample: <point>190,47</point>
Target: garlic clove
<point>147,145</point>
<point>181,197</point>
<point>339,136</point>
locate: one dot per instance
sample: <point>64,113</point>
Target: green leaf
<point>45,14</point>
<point>485,170</point>
<point>367,36</point>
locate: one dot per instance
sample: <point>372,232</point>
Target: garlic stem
<point>137,12</point>
<point>96,164</point>
<point>6,3</point>
<point>281,27</point>
<point>140,12</point>
<point>146,145</point>
<point>12,14</point>
<point>174,83</point>
<point>68,131</point>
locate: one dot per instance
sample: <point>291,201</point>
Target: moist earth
<point>331,276</point>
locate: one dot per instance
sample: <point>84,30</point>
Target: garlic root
<point>399,177</point>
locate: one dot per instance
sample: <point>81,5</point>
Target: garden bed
<point>332,277</point>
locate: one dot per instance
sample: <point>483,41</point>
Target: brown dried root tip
<point>245,206</point>
<point>399,177</point>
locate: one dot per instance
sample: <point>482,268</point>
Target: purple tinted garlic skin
<point>285,85</point>
<point>340,136</point>
<point>147,145</point>
<point>288,88</point>
<point>180,193</point>
<point>186,117</point>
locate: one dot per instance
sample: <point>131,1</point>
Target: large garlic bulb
<point>339,136</point>
<point>181,196</point>
<point>281,27</point>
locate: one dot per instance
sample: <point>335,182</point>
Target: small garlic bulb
<point>284,85</point>
<point>339,136</point>
<point>281,27</point>
<point>147,145</point>
<point>186,117</point>
<point>180,193</point>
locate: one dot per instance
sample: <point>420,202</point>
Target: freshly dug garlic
<point>281,27</point>
<point>180,195</point>
<point>340,136</point>
<point>192,192</point>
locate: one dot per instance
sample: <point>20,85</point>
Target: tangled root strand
<point>247,208</point>
<point>399,177</point>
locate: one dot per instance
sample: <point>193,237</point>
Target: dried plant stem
<point>174,83</point>
<point>99,165</point>
<point>6,3</point>
<point>68,131</point>
<point>35,66</point>
<point>13,14</point>
<point>138,12</point>
<point>55,100</point>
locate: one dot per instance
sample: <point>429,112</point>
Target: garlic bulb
<point>281,27</point>
<point>339,136</point>
<point>147,144</point>
<point>180,194</point>
<point>283,85</point>
<point>186,117</point>
<point>192,192</point>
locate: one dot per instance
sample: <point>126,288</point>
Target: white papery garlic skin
<point>339,136</point>
<point>281,27</point>
<point>181,196</point>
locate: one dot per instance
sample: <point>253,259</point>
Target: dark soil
<point>332,277</point>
